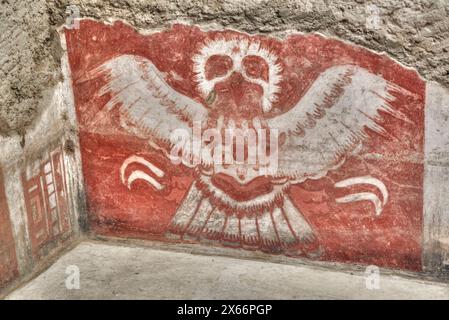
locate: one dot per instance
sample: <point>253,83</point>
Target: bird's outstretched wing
<point>330,121</point>
<point>148,106</point>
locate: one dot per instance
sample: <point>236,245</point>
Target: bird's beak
<point>211,97</point>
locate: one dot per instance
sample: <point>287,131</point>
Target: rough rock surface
<point>415,32</point>
<point>29,62</point>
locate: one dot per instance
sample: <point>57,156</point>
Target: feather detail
<point>332,120</point>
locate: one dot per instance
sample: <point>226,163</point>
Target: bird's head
<point>237,78</point>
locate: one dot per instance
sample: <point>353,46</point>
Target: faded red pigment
<point>344,232</point>
<point>8,260</point>
<point>46,203</point>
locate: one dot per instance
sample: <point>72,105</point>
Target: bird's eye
<point>217,66</point>
<point>256,67</point>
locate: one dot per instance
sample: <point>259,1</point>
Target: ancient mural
<point>330,165</point>
<point>45,193</point>
<point>8,259</point>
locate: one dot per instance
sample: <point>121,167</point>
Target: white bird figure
<point>239,203</point>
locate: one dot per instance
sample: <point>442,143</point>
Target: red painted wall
<point>8,261</point>
<point>348,232</point>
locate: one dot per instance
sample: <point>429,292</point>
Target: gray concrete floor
<point>110,271</point>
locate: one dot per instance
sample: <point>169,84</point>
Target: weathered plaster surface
<point>436,168</point>
<point>415,32</point>
<point>23,157</point>
<point>8,260</point>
